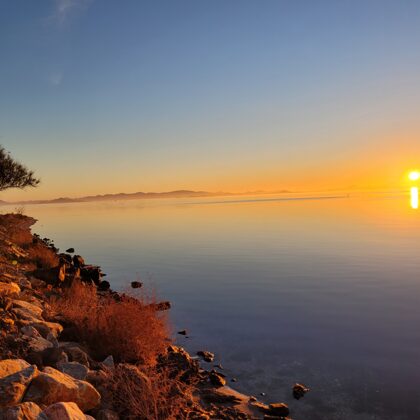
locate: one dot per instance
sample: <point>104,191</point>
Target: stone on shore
<point>52,386</point>
<point>206,356</point>
<point>74,369</point>
<point>15,376</point>
<point>24,411</point>
<point>64,411</point>
<point>278,409</point>
<point>36,310</point>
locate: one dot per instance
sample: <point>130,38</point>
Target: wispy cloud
<point>63,9</point>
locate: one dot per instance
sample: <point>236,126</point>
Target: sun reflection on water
<point>414,198</point>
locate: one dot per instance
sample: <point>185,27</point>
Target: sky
<point>101,96</point>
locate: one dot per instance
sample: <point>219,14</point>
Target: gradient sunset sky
<point>104,96</point>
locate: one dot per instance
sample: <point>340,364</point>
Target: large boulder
<point>64,411</point>
<point>52,386</point>
<point>24,411</point>
<point>15,376</point>
<point>9,289</point>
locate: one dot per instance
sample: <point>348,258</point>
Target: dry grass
<point>130,330</point>
<point>147,393</point>
<point>41,255</point>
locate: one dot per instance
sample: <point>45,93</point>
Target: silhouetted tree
<point>13,174</point>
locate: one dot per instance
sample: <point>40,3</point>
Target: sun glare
<point>414,176</point>
<point>415,198</point>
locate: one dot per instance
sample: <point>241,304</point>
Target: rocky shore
<point>55,365</point>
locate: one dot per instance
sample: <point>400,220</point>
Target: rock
<point>36,310</point>
<point>74,369</point>
<point>45,328</point>
<point>278,409</point>
<point>107,415</point>
<point>217,379</point>
<point>104,286</point>
<point>9,289</point>
<point>38,344</point>
<point>75,353</point>
<point>97,377</point>
<point>181,363</point>
<point>54,275</point>
<point>13,385</point>
<point>136,284</point>
<point>37,283</point>
<point>206,356</point>
<point>299,391</point>
<point>48,357</point>
<point>91,274</point>
<point>6,303</point>
<point>78,261</point>
<point>182,332</point>
<point>52,386</point>
<point>162,306</point>
<point>70,250</point>
<point>109,362</point>
<point>24,411</point>
<point>11,366</point>
<point>64,411</point>
<point>30,331</point>
<point>26,314</point>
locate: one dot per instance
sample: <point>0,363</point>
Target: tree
<point>13,174</point>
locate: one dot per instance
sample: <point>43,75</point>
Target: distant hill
<point>137,196</point>
<point>122,196</point>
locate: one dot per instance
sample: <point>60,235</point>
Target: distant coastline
<point>140,195</point>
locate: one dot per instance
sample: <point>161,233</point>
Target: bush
<point>130,330</point>
<point>146,393</point>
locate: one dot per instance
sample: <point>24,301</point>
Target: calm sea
<point>323,291</point>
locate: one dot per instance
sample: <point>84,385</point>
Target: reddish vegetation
<point>128,329</point>
<point>147,393</point>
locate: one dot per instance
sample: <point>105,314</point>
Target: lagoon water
<point>323,291</point>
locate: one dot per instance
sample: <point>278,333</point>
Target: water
<point>323,291</point>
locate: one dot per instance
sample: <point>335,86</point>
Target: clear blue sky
<point>107,96</point>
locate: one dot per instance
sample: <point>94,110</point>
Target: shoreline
<point>37,336</point>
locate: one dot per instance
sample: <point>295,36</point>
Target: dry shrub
<point>147,393</point>
<point>130,330</point>
<point>41,255</point>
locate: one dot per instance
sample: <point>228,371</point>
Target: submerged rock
<point>206,356</point>
<point>299,391</point>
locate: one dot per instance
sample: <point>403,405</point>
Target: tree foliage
<point>13,174</point>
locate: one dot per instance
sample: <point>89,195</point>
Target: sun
<point>414,176</point>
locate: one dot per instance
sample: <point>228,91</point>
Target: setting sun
<point>414,176</point>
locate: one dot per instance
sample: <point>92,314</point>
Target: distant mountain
<point>123,196</point>
<point>137,196</point>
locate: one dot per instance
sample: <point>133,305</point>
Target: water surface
<point>320,291</point>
